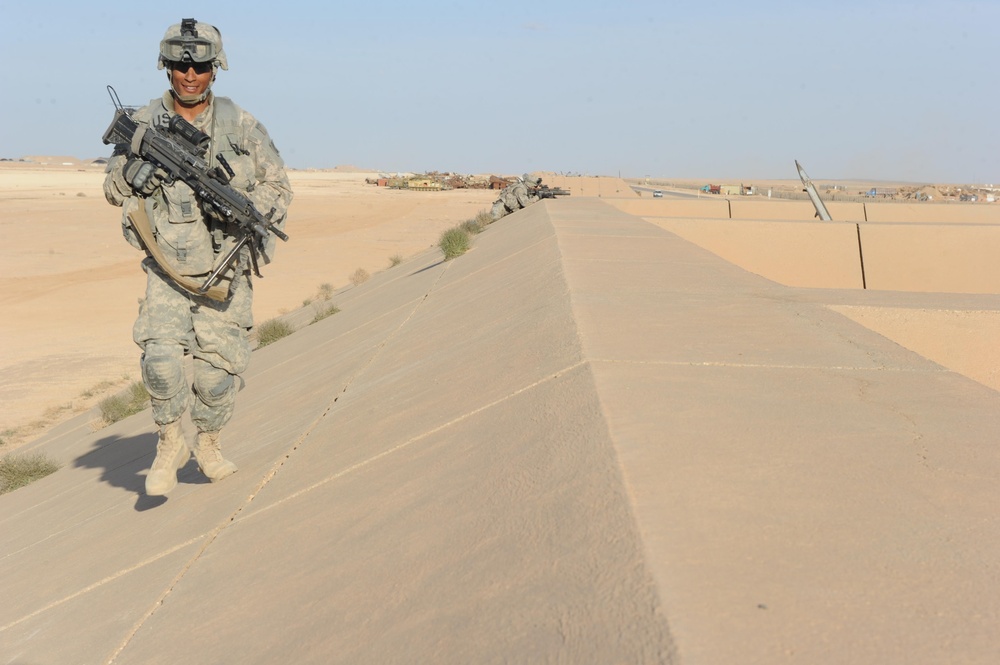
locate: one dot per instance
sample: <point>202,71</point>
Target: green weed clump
<point>117,407</point>
<point>478,223</point>
<point>454,242</point>
<point>325,312</point>
<point>472,227</point>
<point>271,331</point>
<point>484,218</point>
<point>395,260</point>
<point>19,470</point>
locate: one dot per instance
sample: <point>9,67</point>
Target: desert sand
<point>70,284</point>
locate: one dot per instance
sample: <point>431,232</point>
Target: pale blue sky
<point>882,90</point>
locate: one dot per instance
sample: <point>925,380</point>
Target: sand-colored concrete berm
<point>599,436</point>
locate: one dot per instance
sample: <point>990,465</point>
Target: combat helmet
<point>192,41</point>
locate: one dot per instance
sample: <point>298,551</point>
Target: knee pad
<point>213,386</point>
<point>162,370</point>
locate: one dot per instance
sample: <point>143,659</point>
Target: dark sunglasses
<point>199,67</point>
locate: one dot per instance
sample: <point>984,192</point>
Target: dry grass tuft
<point>325,291</point>
<point>271,331</point>
<point>325,312</point>
<point>19,470</point>
<point>360,276</point>
<point>472,227</point>
<point>484,218</point>
<point>124,404</point>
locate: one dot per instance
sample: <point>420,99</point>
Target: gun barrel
<point>549,192</point>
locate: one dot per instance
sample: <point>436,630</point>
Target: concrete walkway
<point>584,441</point>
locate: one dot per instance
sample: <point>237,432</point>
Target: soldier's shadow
<point>124,462</point>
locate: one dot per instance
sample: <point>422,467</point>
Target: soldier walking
<point>173,321</point>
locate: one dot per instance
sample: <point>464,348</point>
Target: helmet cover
<point>192,41</point>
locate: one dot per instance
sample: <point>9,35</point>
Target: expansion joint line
<point>269,476</point>
<point>102,582</point>
<point>420,437</point>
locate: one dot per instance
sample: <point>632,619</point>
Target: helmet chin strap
<point>190,99</point>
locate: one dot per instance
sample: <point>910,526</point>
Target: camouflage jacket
<point>516,196</point>
<point>190,238</point>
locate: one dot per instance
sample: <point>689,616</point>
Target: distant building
<point>881,192</point>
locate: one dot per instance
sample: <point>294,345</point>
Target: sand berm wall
<point>931,248</point>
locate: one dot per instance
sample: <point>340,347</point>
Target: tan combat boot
<point>210,459</point>
<point>171,454</point>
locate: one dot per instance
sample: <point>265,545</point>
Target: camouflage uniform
<point>499,209</point>
<point>520,193</point>
<point>172,321</point>
<point>515,196</point>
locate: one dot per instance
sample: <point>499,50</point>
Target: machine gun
<point>546,192</point>
<point>179,151</point>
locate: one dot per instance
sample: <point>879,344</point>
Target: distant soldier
<point>523,191</point>
<point>518,195</point>
<point>174,322</point>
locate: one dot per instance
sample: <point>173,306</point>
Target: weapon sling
<point>140,223</point>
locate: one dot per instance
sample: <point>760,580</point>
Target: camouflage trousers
<point>172,324</point>
<point>498,210</point>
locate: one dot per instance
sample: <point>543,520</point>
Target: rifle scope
<point>193,136</point>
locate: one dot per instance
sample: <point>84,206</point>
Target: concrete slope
<point>585,441</point>
<point>807,490</point>
<point>426,476</point>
